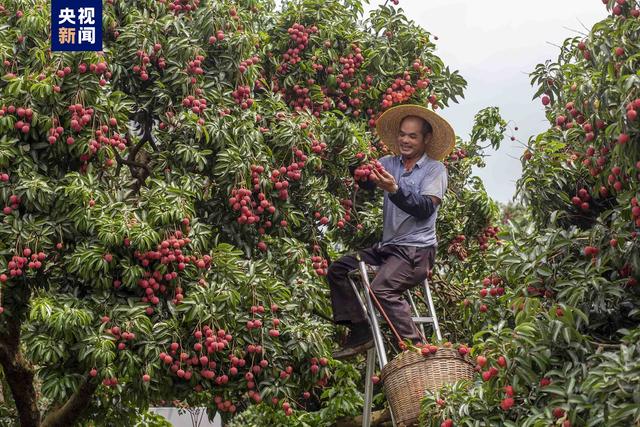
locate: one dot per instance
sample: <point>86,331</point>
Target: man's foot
<point>359,340</point>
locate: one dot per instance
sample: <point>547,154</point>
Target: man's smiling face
<point>411,141</point>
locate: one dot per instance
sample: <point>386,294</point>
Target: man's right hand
<point>384,180</point>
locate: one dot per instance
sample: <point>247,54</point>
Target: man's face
<point>411,142</point>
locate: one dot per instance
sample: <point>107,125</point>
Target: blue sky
<point>495,45</point>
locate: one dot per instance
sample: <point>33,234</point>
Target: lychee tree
<point>171,204</point>
<point>559,344</point>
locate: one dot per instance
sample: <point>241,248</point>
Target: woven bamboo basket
<point>410,374</point>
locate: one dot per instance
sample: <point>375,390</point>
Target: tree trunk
<point>18,374</point>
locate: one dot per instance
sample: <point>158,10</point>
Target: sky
<point>495,44</point>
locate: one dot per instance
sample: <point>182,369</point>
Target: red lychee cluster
<point>107,382</point>
<point>100,69</point>
<point>322,219</point>
<point>242,96</point>
<point>481,361</point>
<point>217,38</point>
<point>320,265</point>
<point>168,253</point>
<point>459,154</point>
<point>399,92</point>
<point>619,8</point>
<point>600,161</point>
<point>582,199</point>
<point>256,171</point>
<point>293,170</point>
<point>347,204</point>
<point>241,201</point>
<point>194,68</point>
<point>300,98</point>
<point>123,337</point>
<point>24,115</point>
<point>456,247</point>
<point>279,183</point>
<point>635,211</point>
<point>317,146</point>
<point>288,410</point>
<point>364,172</point>
<point>586,54</point>
<point>508,401</point>
<point>256,323</point>
<point>626,272</point>
<point>490,232</point>
<point>33,261</point>
<point>182,6</point>
<point>567,121</point>
<point>427,349</point>
<point>244,65</point>
<point>148,59</point>
<point>225,405</point>
<point>316,364</point>
<point>286,372</point>
<point>492,286</point>
<point>102,138</point>
<point>299,37</point>
<point>14,203</point>
<point>632,110</point>
<point>197,105</point>
<point>591,251</point>
<point>195,356</point>
<point>80,117</point>
<point>348,66</point>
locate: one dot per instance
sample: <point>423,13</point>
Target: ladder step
<point>415,319</point>
<point>422,319</point>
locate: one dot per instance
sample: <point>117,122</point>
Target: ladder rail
<point>368,388</point>
<point>432,309</point>
<point>415,312</point>
<point>373,319</point>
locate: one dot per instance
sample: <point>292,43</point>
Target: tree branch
<point>72,410</point>
<point>143,169</point>
<point>131,163</point>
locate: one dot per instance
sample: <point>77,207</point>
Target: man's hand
<point>384,180</point>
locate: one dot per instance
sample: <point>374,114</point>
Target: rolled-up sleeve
<point>419,206</point>
<point>436,183</point>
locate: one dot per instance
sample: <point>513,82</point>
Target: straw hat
<point>442,142</point>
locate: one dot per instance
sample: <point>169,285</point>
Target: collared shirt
<point>427,177</point>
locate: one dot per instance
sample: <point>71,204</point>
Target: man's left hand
<point>384,180</point>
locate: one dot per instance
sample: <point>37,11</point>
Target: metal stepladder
<point>378,352</point>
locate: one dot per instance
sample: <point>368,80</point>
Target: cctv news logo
<point>76,25</point>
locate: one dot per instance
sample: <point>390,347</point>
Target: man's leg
<point>346,308</point>
<point>403,268</point>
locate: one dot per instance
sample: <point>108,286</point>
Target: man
<point>414,182</point>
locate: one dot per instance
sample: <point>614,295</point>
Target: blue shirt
<point>428,177</point>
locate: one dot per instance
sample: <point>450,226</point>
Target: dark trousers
<point>400,268</point>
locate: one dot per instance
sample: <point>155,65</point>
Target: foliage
<point>562,338</point>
